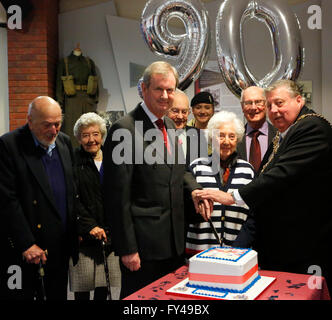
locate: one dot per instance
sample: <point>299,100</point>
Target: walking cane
<point>107,274</point>
<point>41,272</point>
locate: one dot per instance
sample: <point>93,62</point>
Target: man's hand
<point>34,255</point>
<point>132,261</point>
<point>202,206</point>
<point>98,233</point>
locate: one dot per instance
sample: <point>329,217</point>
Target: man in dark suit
<point>259,132</point>
<point>290,198</point>
<point>191,139</point>
<point>179,111</point>
<point>37,204</point>
<point>144,196</point>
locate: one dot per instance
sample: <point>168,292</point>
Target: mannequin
<point>77,51</point>
<point>76,89</point>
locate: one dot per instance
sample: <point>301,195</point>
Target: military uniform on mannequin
<point>76,89</point>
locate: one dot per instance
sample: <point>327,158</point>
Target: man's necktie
<point>161,126</point>
<point>255,150</point>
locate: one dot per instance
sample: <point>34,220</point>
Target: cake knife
<point>215,232</point>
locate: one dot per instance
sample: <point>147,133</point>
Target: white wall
<point>125,41</point>
<point>88,27</point>
<point>258,47</point>
<point>128,47</point>
<point>312,69</point>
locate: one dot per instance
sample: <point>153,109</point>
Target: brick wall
<point>32,59</point>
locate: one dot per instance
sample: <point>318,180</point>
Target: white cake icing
<point>229,269</point>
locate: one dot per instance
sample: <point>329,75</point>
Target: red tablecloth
<point>287,286</point>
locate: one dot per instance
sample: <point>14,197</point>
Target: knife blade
<point>215,232</point>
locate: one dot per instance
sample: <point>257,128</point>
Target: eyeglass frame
<point>258,102</point>
<point>184,112</point>
<point>92,134</point>
<point>222,137</point>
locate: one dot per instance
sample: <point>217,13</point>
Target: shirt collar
<point>283,134</point>
<point>264,129</point>
<point>151,116</point>
<point>48,150</point>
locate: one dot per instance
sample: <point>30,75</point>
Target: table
<point>287,286</point>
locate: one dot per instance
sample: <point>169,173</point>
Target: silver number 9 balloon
<point>285,33</point>
<point>188,51</point>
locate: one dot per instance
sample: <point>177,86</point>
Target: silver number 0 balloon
<point>285,33</point>
<point>189,51</point>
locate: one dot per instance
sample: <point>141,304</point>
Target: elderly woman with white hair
<point>233,223</point>
<point>89,273</point>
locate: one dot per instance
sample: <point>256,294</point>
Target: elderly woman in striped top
<point>233,223</point>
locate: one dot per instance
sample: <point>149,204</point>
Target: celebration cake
<point>223,269</point>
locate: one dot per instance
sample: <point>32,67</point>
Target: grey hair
<point>89,119</point>
<point>182,93</point>
<point>222,117</point>
<point>243,91</point>
<point>159,67</point>
<point>30,108</point>
<point>293,88</point>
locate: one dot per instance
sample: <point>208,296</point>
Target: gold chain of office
<point>277,136</point>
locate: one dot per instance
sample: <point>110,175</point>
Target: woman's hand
<point>216,195</point>
<point>98,233</point>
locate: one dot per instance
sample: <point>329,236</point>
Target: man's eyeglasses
<point>249,103</point>
<point>177,111</point>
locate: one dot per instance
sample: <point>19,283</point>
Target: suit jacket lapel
<point>139,115</point>
<point>242,146</point>
<point>242,150</point>
<point>271,133</point>
<point>142,125</point>
<point>173,141</point>
<point>68,173</point>
<point>35,163</point>
<point>304,110</point>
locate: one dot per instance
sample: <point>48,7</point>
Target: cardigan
<point>228,220</point>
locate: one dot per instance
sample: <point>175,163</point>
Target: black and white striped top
<point>227,220</point>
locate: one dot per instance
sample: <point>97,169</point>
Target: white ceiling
<point>131,9</point>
